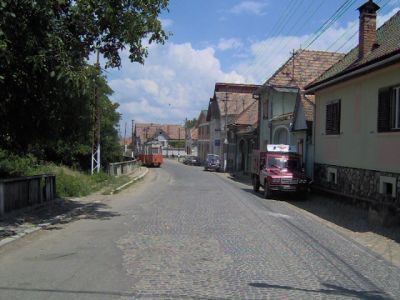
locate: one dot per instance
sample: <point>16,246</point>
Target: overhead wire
<point>356,32</point>
<point>277,25</point>
<point>325,26</point>
<point>290,13</point>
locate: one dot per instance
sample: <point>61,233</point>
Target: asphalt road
<point>184,233</point>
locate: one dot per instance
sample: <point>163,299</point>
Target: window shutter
<point>329,119</point>
<point>333,118</point>
<point>384,110</point>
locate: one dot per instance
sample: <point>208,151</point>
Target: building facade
<point>357,129</point>
<point>228,102</point>
<point>285,112</point>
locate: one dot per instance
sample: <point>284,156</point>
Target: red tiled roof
<point>126,141</point>
<point>388,44</point>
<point>308,65</point>
<point>194,134</point>
<point>249,116</point>
<point>233,99</point>
<point>148,130</point>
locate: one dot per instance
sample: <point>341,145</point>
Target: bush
<point>69,182</point>
<point>75,185</point>
<point>12,165</point>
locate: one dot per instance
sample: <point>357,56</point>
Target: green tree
<point>191,123</point>
<point>45,83</point>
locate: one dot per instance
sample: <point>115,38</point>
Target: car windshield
<point>283,163</point>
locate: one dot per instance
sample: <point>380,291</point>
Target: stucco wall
<point>358,145</point>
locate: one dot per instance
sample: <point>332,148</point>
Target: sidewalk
<point>345,218</point>
<point>31,219</point>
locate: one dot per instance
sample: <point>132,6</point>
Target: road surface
<point>184,233</point>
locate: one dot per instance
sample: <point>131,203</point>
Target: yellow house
<point>357,116</point>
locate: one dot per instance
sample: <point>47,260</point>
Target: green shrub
<point>75,185</point>
<point>12,165</point>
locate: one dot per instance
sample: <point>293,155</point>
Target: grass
<point>70,182</point>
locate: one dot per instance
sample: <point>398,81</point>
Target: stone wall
<point>357,183</point>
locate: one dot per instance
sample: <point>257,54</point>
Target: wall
<point>358,145</point>
<point>278,103</point>
<point>16,193</point>
<point>121,168</point>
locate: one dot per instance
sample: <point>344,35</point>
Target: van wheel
<point>256,184</point>
<point>267,191</point>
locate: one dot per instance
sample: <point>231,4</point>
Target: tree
<point>191,123</point>
<point>45,82</point>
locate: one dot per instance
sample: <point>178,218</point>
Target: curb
<point>130,182</point>
<point>60,218</point>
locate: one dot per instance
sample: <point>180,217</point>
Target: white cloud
<point>249,7</point>
<point>266,56</point>
<point>166,23</point>
<point>227,44</point>
<point>175,82</point>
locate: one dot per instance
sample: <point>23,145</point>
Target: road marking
<point>278,215</point>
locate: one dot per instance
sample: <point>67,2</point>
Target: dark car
<point>192,160</point>
<point>213,163</point>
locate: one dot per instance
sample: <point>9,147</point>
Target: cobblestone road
<point>197,235</point>
<point>189,234</point>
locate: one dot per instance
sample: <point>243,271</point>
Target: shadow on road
<point>337,211</point>
<point>109,293</point>
<point>330,289</point>
<point>61,211</point>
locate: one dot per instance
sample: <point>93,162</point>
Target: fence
<point>17,193</point>
<point>124,167</point>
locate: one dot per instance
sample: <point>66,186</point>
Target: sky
<point>226,41</point>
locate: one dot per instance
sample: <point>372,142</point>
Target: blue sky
<point>226,41</point>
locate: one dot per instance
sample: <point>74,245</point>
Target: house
<point>244,136</point>
<point>168,135</point>
<point>192,137</point>
<point>228,102</point>
<point>357,125</point>
<point>285,112</point>
<point>203,142</point>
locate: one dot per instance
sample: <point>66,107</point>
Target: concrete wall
<point>358,145</point>
<point>122,168</point>
<point>16,193</point>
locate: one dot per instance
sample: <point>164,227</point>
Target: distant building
<point>243,135</point>
<point>228,102</point>
<point>203,135</point>
<point>169,135</point>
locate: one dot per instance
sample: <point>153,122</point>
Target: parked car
<point>213,163</point>
<point>192,161</point>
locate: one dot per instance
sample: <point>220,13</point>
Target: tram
<point>151,155</point>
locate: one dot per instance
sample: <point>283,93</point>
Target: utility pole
<point>132,143</point>
<point>226,131</point>
<point>125,140</point>
<point>187,136</point>
<point>293,54</point>
<point>95,164</point>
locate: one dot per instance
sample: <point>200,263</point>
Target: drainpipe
<point>313,136</point>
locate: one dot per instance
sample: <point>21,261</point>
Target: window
<point>387,186</point>
<point>332,175</point>
<point>389,109</point>
<point>332,125</point>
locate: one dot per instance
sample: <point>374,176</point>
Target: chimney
<point>367,38</point>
